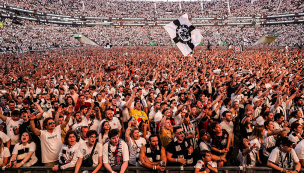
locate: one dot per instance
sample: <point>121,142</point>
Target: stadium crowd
<point>35,36</point>
<point>160,9</point>
<point>152,107</point>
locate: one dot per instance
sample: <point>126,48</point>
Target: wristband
<point>249,148</point>
<point>297,171</point>
<point>23,162</point>
<point>112,172</point>
<point>220,151</point>
<point>175,160</point>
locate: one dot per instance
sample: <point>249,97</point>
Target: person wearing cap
<point>284,157</point>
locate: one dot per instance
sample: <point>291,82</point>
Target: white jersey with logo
<point>10,126</point>
<point>50,144</point>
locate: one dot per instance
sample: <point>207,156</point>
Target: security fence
<point>134,169</point>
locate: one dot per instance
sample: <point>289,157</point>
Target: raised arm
<point>36,131</point>
<point>2,116</point>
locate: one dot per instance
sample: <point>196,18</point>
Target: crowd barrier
<point>134,169</point>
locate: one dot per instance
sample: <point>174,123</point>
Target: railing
<point>134,169</point>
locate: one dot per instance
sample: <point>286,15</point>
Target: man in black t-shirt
<point>220,141</point>
<point>180,151</point>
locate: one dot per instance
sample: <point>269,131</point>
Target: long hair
<point>1,146</point>
<point>66,138</point>
<point>257,133</point>
<point>66,100</point>
<point>131,134</point>
<point>102,130</point>
<point>242,148</point>
<point>30,138</point>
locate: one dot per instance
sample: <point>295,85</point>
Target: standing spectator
<point>284,157</point>
<point>4,154</point>
<point>68,154</point>
<point>114,122</point>
<point>295,135</point>
<point>220,142</point>
<point>12,127</point>
<point>166,132</point>
<point>300,152</point>
<point>83,138</point>
<point>104,131</point>
<point>24,152</point>
<point>153,155</point>
<point>115,152</point>
<point>247,154</point>
<point>135,142</point>
<point>90,153</point>
<point>50,138</point>
<point>180,151</point>
<point>205,163</point>
<point>5,139</point>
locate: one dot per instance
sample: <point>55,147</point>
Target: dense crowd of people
<point>161,9</point>
<point>35,36</point>
<point>152,107</point>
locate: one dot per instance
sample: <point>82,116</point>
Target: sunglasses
<point>52,122</point>
<point>181,132</point>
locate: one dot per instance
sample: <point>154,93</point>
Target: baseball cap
<point>284,141</point>
<point>202,132</point>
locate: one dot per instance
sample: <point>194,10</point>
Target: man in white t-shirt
<point>50,138</point>
<point>85,150</point>
<point>5,138</point>
<point>284,157</point>
<point>12,127</point>
<point>227,124</point>
<point>114,122</point>
<point>300,152</point>
<point>80,122</point>
<point>115,152</point>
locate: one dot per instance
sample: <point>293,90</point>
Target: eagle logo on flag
<point>184,34</point>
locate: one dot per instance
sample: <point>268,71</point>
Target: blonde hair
<point>131,134</point>
<point>1,146</point>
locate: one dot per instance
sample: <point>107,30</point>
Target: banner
<point>1,24</point>
<point>152,44</point>
<point>129,44</point>
<point>184,34</point>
